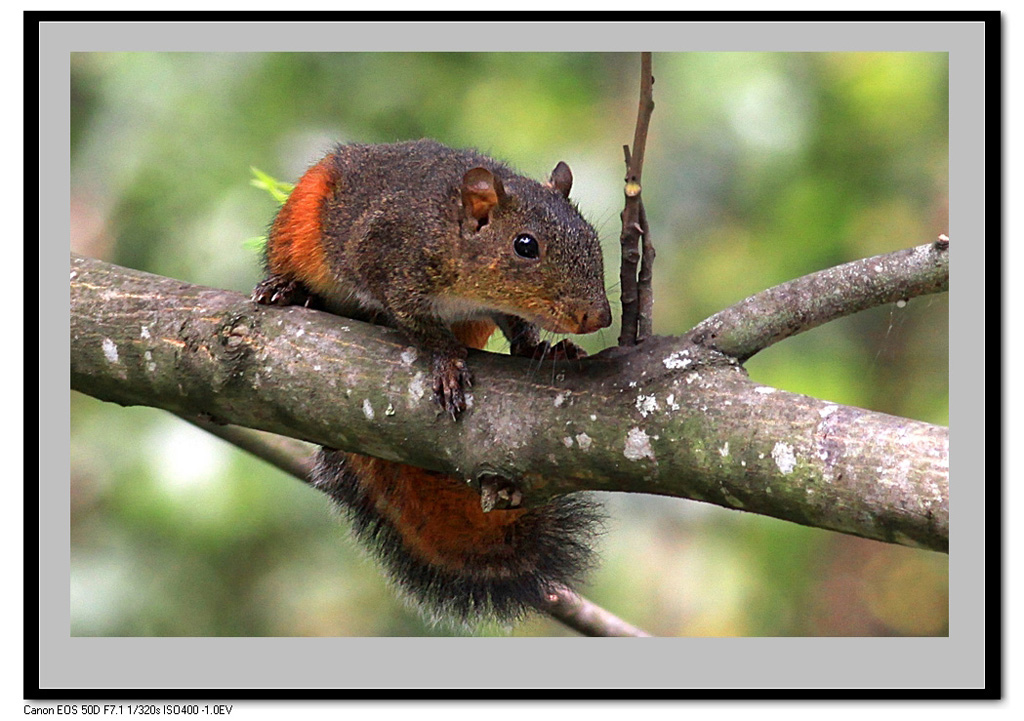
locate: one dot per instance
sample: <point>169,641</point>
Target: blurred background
<point>759,168</point>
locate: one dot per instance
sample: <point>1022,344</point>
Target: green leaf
<point>255,244</point>
<point>277,188</point>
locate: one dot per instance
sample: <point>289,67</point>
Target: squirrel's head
<point>527,251</point>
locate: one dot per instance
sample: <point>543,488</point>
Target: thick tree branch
<point>669,417</point>
<point>763,319</point>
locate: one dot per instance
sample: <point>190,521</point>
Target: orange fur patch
<point>438,517</point>
<point>295,248</point>
<point>473,333</point>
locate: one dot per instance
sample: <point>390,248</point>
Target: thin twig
<point>288,454</point>
<point>629,242</point>
<point>798,305</point>
<point>637,299</point>
<point>645,288</point>
<point>643,117</point>
<point>588,618</point>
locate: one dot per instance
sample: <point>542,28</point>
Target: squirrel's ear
<point>561,179</point>
<point>481,191</point>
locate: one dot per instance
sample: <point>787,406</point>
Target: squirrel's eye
<point>526,246</point>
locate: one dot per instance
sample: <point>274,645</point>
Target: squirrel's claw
<point>451,378</point>
<point>278,290</point>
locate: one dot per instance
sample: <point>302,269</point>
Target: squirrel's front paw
<point>562,350</point>
<point>451,379</point>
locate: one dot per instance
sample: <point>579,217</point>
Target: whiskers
<point>554,352</point>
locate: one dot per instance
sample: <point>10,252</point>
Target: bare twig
<point>287,454</point>
<point>645,286</point>
<point>637,299</point>
<point>763,319</point>
<point>586,617</point>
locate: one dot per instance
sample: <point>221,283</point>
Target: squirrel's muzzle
<point>594,317</point>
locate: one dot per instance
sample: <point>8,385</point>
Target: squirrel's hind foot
<point>279,290</point>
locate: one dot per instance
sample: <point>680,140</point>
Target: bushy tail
<point>448,556</point>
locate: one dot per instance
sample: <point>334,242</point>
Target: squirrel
<point>446,246</point>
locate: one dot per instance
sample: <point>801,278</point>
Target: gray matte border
<point>700,663</point>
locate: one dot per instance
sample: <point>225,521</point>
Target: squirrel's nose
<point>595,317</point>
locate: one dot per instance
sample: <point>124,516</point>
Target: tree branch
<point>286,454</point>
<point>587,617</point>
<point>763,319</point>
<point>669,418</point>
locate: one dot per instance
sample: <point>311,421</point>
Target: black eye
<point>526,246</point>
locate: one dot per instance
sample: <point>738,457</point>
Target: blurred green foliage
<point>760,167</point>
